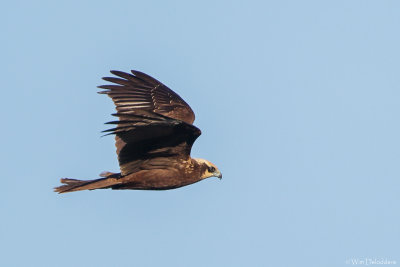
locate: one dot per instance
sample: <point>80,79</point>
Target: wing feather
<point>149,137</point>
<point>153,121</point>
<point>141,91</point>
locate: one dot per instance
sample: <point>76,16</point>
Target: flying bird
<point>154,134</point>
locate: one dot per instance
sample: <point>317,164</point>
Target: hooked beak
<point>218,174</point>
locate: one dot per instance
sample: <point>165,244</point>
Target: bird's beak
<point>218,174</point>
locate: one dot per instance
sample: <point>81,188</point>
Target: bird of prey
<point>154,134</point>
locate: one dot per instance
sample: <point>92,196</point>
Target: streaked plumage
<point>154,135</point>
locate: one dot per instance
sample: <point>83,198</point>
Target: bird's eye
<point>211,169</point>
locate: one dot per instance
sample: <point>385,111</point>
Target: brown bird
<point>154,135</point>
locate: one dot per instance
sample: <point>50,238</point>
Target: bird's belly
<point>154,180</point>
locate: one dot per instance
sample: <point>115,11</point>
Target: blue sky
<point>298,102</point>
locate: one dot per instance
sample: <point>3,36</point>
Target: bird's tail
<point>72,185</point>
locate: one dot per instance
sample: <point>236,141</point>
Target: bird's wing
<point>149,133</point>
<point>142,92</point>
<point>147,140</point>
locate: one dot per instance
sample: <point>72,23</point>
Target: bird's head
<point>208,169</point>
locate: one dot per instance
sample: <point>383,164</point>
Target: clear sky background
<point>298,102</point>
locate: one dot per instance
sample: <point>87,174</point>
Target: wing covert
<point>148,137</point>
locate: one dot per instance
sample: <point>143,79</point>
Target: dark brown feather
<point>154,122</point>
<point>151,139</point>
<point>141,91</point>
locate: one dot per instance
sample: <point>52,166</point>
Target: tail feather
<point>72,185</point>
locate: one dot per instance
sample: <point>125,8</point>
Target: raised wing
<point>155,125</point>
<point>142,92</point>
